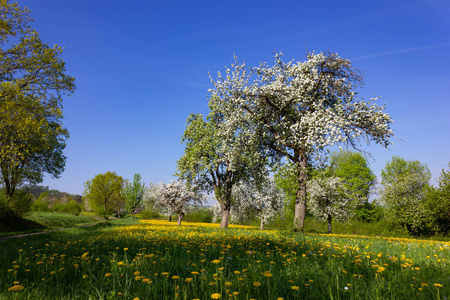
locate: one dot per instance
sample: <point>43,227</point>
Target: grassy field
<point>41,221</point>
<point>158,260</point>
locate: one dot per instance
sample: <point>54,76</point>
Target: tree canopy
<point>103,192</point>
<point>297,110</point>
<point>33,82</point>
<point>134,193</point>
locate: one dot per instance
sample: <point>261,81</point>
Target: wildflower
<point>187,280</point>
<point>212,283</point>
<point>437,285</point>
<point>295,288</point>
<point>125,249</point>
<point>85,276</point>
<point>235,293</point>
<point>237,272</point>
<point>227,284</point>
<point>165,273</point>
<point>195,273</point>
<point>16,288</point>
<point>52,272</point>
<point>146,280</point>
<point>175,277</point>
<point>215,296</point>
<point>216,261</point>
<point>424,284</point>
<point>107,275</point>
<point>267,274</point>
<point>137,273</point>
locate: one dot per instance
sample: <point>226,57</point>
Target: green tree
<point>437,204</point>
<point>33,82</point>
<point>103,191</point>
<point>134,193</point>
<point>207,165</point>
<point>353,169</point>
<point>403,187</point>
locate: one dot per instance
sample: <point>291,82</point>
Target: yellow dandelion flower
<point>107,275</point>
<point>85,276</point>
<point>195,273</point>
<point>16,288</point>
<point>228,283</point>
<point>235,293</point>
<point>237,272</point>
<point>137,273</point>
<point>216,261</point>
<point>424,284</point>
<point>215,296</point>
<point>256,283</point>
<point>295,288</point>
<point>125,249</point>
<point>188,280</point>
<point>437,285</point>
<point>212,283</point>
<point>175,277</point>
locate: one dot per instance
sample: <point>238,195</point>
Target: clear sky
<point>141,68</point>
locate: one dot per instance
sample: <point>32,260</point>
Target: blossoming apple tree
<point>296,110</point>
<point>176,197</point>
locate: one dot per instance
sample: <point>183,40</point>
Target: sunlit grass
<point>160,260</point>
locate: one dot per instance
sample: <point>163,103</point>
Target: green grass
<point>42,221</point>
<point>158,260</point>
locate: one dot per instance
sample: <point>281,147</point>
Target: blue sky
<point>142,66</point>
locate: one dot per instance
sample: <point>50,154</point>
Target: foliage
<point>369,212</point>
<point>437,205</point>
<point>133,194</point>
<point>353,169</point>
<point>264,201</point>
<point>176,197</point>
<point>199,214</point>
<point>403,188</point>
<point>15,206</point>
<point>207,164</point>
<point>328,199</point>
<point>103,193</point>
<point>297,110</point>
<point>33,82</point>
<point>150,213</point>
<point>286,180</point>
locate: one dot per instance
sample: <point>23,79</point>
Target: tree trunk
<point>132,216</point>
<point>329,223</point>
<point>180,217</point>
<point>261,227</point>
<point>225,216</point>
<point>300,201</point>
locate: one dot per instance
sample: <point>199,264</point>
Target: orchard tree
<point>264,201</point>
<point>329,199</point>
<point>176,197</point>
<point>438,204</point>
<point>214,163</point>
<point>134,194</point>
<point>103,192</point>
<point>403,189</point>
<point>297,110</point>
<point>356,175</point>
<point>33,82</point>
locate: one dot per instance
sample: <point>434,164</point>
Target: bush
<point>16,206</point>
<point>150,214</point>
<point>199,214</point>
<point>72,208</point>
<point>101,212</point>
<point>40,205</point>
<point>369,212</point>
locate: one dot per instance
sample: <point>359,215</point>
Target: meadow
<point>159,260</point>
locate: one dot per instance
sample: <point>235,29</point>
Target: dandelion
<point>216,261</point>
<point>437,285</point>
<point>16,288</point>
<point>195,273</point>
<point>188,280</point>
<point>85,276</point>
<point>137,273</point>
<point>215,296</point>
<point>267,274</point>
<point>295,288</point>
<point>146,280</point>
<point>175,277</point>
<point>107,275</point>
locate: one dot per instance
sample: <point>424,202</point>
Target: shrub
<point>369,212</point>
<point>17,205</point>
<point>199,214</point>
<point>72,208</point>
<point>150,213</point>
<point>40,205</point>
